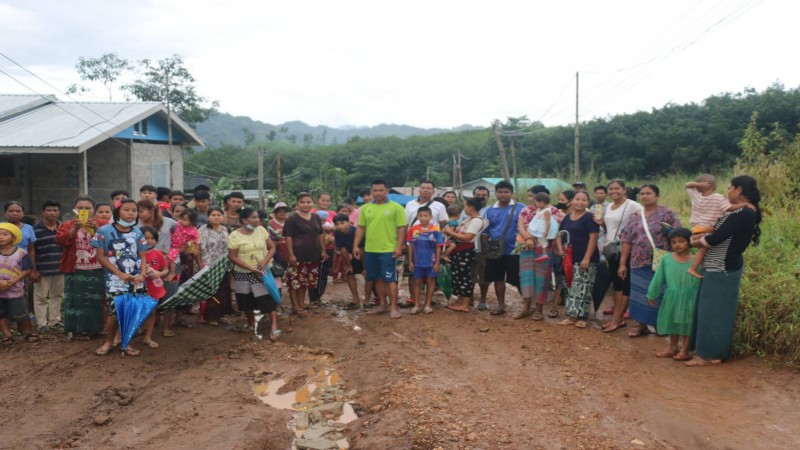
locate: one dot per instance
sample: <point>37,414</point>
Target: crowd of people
<point>571,250</point>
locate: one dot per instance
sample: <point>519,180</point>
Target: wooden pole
<point>260,177</point>
<point>506,175</point>
<point>83,174</point>
<point>278,174</point>
<point>514,163</point>
<point>172,184</point>
<point>577,133</point>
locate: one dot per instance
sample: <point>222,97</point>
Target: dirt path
<point>447,380</point>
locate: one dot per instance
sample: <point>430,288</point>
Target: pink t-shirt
<point>707,209</point>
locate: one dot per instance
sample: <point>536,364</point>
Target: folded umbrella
<point>272,286</point>
<point>132,310</point>
<point>567,259</point>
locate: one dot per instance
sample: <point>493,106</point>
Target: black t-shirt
<point>731,236</point>
<point>346,240</point>
<point>305,236</point>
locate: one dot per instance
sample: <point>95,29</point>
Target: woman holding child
<point>534,259</point>
<point>637,253</point>
<point>715,311</point>
<point>467,235</point>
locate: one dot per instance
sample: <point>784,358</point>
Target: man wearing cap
<point>15,265</point>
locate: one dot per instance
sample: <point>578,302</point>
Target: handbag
<point>611,249</point>
<point>658,254</point>
<point>277,270</point>
<point>495,247</point>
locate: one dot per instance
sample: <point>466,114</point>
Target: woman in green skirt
<point>83,281</point>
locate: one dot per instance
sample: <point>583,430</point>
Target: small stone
<point>124,401</point>
<point>484,329</point>
<point>376,408</point>
<point>315,444</point>
<point>317,433</point>
<point>301,420</point>
<point>637,442</point>
<point>626,395</point>
<point>101,420</point>
<point>334,408</point>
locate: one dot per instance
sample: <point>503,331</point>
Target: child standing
<point>15,265</point>
<point>344,237</point>
<point>120,250</point>
<point>425,243</point>
<point>676,313</point>
<point>707,207</point>
<point>158,269</point>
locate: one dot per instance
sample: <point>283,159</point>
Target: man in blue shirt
<point>506,268</point>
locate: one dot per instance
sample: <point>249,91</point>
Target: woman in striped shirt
<point>717,301</point>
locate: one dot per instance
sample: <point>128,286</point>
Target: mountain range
<point>227,129</point>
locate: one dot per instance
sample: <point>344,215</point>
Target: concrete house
<point>57,150</point>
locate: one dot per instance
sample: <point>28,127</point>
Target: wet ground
<point>445,380</point>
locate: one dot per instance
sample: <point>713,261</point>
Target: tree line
<point>688,138</point>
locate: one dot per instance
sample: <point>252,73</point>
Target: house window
<point>159,174</point>
<point>140,128</point>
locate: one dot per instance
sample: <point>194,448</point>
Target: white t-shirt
<point>474,225</point>
<point>438,211</point>
<point>615,219</point>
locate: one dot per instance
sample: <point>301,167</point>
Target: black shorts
<point>358,266</point>
<point>503,269</point>
<point>619,283</point>
<point>249,303</point>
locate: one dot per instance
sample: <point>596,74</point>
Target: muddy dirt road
<point>445,380</point>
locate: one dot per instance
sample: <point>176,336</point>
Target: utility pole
<point>514,163</point>
<point>506,175</point>
<point>577,133</point>
<point>460,179</point>
<point>169,137</point>
<point>260,177</point>
<point>278,174</point>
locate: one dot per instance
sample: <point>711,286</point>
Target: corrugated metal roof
<point>15,104</point>
<point>75,127</point>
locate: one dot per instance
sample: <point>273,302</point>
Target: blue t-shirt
<point>579,231</point>
<point>28,236</point>
<point>424,242</point>
<point>122,250</point>
<point>498,218</point>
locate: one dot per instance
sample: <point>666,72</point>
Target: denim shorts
<point>15,309</point>
<point>380,266</point>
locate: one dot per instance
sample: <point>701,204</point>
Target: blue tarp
<point>399,198</point>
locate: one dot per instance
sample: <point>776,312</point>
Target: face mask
<point>250,227</point>
<point>125,223</point>
<point>561,205</point>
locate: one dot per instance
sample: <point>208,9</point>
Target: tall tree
<point>106,69</point>
<point>169,81</point>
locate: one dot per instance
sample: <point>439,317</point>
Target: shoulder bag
<point>611,249</point>
<point>658,254</point>
<point>495,247</point>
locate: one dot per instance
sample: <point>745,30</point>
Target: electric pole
<point>278,174</point>
<point>260,177</point>
<point>577,133</point>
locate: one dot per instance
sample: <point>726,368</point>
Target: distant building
<point>51,149</point>
<point>520,184</point>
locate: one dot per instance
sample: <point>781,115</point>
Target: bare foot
<point>377,310</point>
<point>669,353</point>
<point>694,273</point>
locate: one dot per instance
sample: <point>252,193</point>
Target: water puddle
<point>321,406</point>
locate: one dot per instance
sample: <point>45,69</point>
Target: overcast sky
<point>425,63</point>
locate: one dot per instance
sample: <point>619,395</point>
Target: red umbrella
<point>567,259</point>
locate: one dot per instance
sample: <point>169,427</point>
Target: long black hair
<point>749,187</point>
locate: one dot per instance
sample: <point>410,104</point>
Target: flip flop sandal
<point>31,337</point>
<point>395,315</point>
<point>553,313</point>
<point>682,357</point>
<point>567,321</point>
<point>613,328</point>
<point>497,312</point>
<point>537,316</point>
<point>428,310</point>
<point>669,354</point>
<point>638,333</point>
<point>580,324</point>
<point>151,344</point>
<point>7,341</point>
<point>482,307</point>
<point>168,333</point>
<point>101,352</point>
<point>415,310</point>
<point>130,352</point>
<point>275,335</point>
